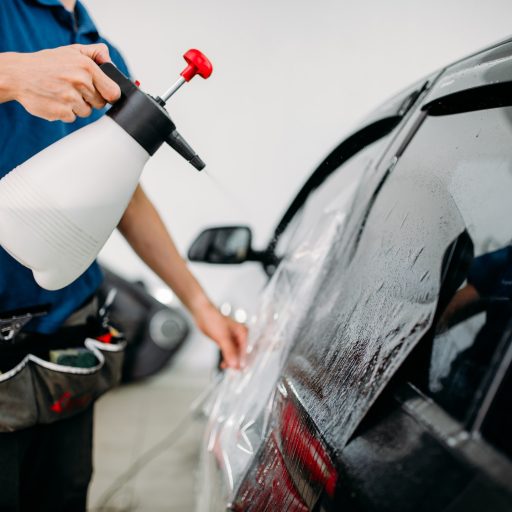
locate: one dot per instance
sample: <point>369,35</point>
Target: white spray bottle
<point>58,208</point>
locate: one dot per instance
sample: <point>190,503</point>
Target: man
<point>50,85</point>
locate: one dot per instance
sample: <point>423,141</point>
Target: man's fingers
<point>92,96</point>
<point>97,52</point>
<point>241,332</point>
<point>82,108</point>
<point>241,336</point>
<point>65,82</point>
<point>225,332</point>
<point>107,88</point>
<point>234,345</point>
<point>229,352</point>
<point>66,115</point>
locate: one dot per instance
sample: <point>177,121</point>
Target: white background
<point>291,78</point>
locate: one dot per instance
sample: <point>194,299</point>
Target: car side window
<point>471,153</point>
<point>335,194</point>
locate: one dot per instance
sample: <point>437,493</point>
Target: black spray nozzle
<point>179,144</point>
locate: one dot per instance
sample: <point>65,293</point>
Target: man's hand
<point>58,84</point>
<point>230,336</point>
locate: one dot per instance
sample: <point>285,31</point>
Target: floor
<point>139,420</point>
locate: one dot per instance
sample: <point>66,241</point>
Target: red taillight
<point>269,487</point>
<point>292,469</point>
<point>306,450</point>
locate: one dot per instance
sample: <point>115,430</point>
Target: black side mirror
<point>224,245</point>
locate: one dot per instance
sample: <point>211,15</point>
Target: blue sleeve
<point>9,26</point>
<point>486,270</point>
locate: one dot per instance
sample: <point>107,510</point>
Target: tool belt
<point>46,378</point>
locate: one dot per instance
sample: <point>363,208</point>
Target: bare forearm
<point>144,230</point>
<point>146,233</point>
<point>465,303</point>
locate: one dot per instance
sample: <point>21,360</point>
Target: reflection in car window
<point>224,245</point>
<point>336,193</point>
<point>236,243</point>
<point>469,331</point>
<point>473,151</point>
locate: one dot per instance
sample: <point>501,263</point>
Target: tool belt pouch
<point>38,391</point>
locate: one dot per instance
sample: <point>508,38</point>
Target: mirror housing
<point>226,245</point>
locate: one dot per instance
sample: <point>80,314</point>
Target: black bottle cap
<point>138,113</point>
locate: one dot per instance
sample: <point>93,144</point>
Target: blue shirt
<point>30,26</point>
<point>491,274</point>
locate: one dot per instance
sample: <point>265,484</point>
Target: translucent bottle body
<point>58,208</point>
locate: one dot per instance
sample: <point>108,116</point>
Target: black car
<point>380,366</point>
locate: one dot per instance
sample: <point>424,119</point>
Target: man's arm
<point>58,84</point>
<point>465,303</point>
<point>145,231</point>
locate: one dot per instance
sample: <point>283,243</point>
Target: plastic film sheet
<point>241,409</point>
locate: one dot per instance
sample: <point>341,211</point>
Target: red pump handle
<point>198,64</point>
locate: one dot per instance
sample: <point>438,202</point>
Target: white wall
<point>291,78</point>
